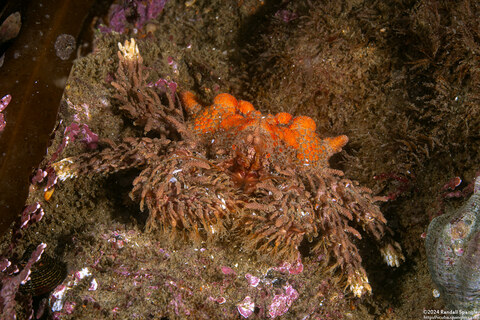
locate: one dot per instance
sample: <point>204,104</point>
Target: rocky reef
<point>399,78</point>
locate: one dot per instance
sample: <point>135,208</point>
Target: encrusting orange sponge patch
<point>229,114</point>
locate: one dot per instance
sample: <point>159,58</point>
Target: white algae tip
<point>453,252</point>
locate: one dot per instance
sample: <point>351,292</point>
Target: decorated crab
<point>228,169</point>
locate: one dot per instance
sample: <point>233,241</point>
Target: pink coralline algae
<point>219,300</point>
<point>252,280</point>
<point>282,302</point>
<point>286,16</point>
<point>401,183</point>
<point>72,132</point>
<point>227,270</point>
<point>3,104</point>
<point>11,284</point>
<point>76,130</point>
<point>163,84</point>
<point>59,306</point>
<point>292,268</point>
<point>136,12</point>
<point>31,214</point>
<point>246,307</point>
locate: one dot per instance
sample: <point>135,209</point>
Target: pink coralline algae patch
<point>163,84</point>
<point>59,306</point>
<point>227,270</point>
<point>31,214</point>
<point>286,15</point>
<point>292,268</point>
<point>138,12</point>
<point>282,302</point>
<point>219,300</point>
<point>252,280</point>
<point>11,283</point>
<point>86,135</point>
<point>246,307</point>
<point>3,104</point>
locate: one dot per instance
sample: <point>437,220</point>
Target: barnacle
<point>452,244</point>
